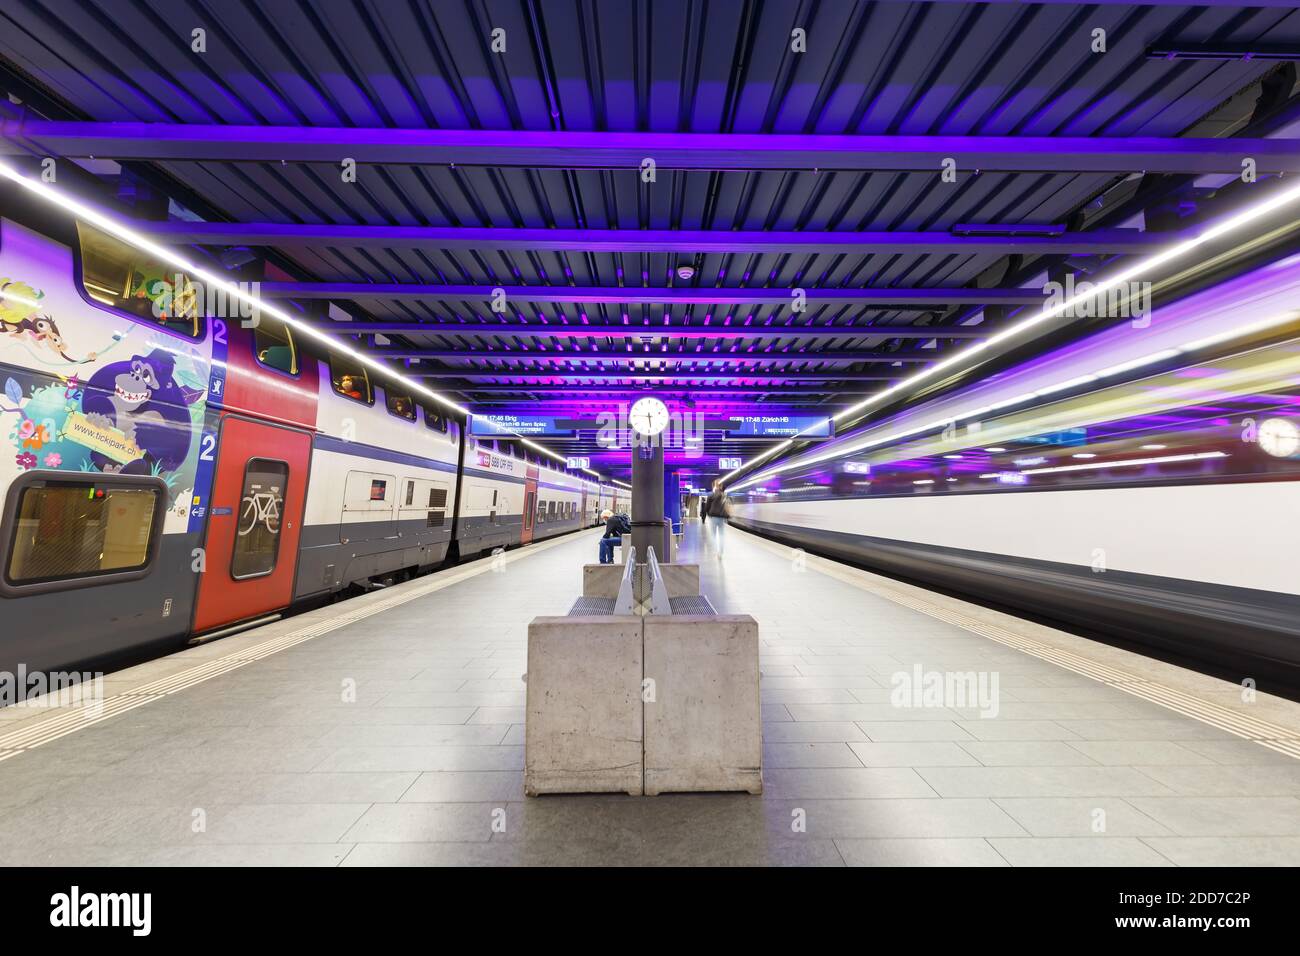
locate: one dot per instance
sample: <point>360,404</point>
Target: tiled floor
<point>399,739</point>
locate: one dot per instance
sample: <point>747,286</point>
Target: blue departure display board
<point>779,426</point>
<point>489,426</point>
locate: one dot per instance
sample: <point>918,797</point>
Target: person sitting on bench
<point>615,527</point>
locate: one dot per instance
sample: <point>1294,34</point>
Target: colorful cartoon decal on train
<point>133,405</point>
<point>25,322</point>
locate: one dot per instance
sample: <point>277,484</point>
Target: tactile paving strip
<point>62,722</point>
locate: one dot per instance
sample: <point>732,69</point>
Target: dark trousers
<point>607,546</point>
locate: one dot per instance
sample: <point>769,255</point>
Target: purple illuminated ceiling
<point>792,244</point>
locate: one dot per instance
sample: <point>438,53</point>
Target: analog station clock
<point>1280,437</point>
<point>649,416</point>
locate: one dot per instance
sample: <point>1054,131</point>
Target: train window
<point>349,378</point>
<point>274,349</point>
<point>128,280</point>
<point>435,419</point>
<point>378,489</point>
<point>69,532</point>
<point>410,493</point>
<point>437,506</point>
<point>257,540</point>
<point>400,405</point>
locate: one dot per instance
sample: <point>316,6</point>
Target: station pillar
<point>647,494</point>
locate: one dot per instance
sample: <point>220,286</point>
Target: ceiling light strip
<point>131,237</point>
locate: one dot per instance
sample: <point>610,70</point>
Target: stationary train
<point>1142,485</point>
<point>171,475</point>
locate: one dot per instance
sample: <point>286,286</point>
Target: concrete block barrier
<point>703,728</point>
<point>583,723</point>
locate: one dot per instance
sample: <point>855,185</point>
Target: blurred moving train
<point>170,474</point>
<point>1141,484</point>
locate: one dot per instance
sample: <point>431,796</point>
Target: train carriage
<point>1161,459</point>
<point>105,415</point>
<point>172,474</point>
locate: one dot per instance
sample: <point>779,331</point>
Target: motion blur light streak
<point>1133,273</point>
<point>1166,459</point>
<point>1239,332</point>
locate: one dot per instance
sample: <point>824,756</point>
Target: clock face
<point>649,416</point>
<point>1280,437</point>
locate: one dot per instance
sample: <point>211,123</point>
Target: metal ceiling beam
<point>516,330</point>
<point>692,241</point>
<point>706,295</point>
<point>558,405</point>
<point>556,149</point>
<point>616,391</point>
<point>606,355</point>
<point>640,375</point>
<point>1229,4</point>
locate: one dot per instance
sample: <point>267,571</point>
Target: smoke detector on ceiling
<point>686,272</point>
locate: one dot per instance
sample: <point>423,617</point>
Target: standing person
<point>716,511</point>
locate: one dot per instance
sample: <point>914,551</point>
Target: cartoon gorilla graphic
<point>142,399</point>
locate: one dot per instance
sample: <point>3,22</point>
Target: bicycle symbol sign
<point>260,508</point>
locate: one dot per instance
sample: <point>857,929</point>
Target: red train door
<point>251,545</point>
<point>530,504</point>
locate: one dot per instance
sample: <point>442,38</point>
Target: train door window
<point>437,505</point>
<point>410,493</point>
<point>68,533</point>
<point>257,540</point>
<point>273,347</point>
<point>349,378</point>
<point>378,489</point>
<point>130,281</point>
<point>400,405</point>
<point>493,516</point>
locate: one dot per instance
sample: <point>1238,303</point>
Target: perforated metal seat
<point>691,604</point>
<point>592,607</point>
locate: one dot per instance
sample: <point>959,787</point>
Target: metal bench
<point>625,603</point>
<point>662,603</point>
